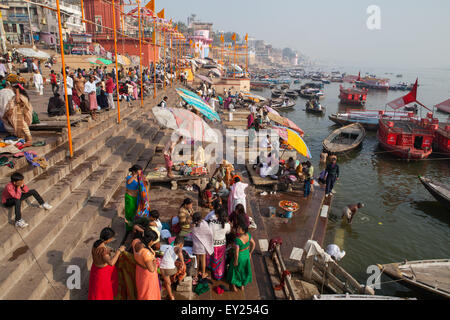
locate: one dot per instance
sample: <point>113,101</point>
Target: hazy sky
<point>413,33</point>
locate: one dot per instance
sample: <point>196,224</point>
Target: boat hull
<point>342,122</point>
<point>332,147</point>
<point>445,200</point>
<point>404,152</point>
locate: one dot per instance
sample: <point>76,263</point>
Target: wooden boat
<point>356,297</point>
<point>368,118</point>
<point>373,83</point>
<point>344,139</point>
<point>291,94</point>
<point>430,276</point>
<point>311,93</point>
<point>276,93</point>
<point>317,109</point>
<point>312,85</point>
<point>282,104</point>
<point>438,190</point>
<point>353,96</point>
<point>405,138</point>
<point>285,86</point>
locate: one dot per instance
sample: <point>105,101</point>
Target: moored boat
<point>369,118</point>
<point>405,138</point>
<point>353,96</point>
<point>311,93</point>
<point>430,276</point>
<point>312,85</point>
<point>372,83</point>
<point>438,190</point>
<point>344,139</point>
<point>291,94</point>
<point>276,93</point>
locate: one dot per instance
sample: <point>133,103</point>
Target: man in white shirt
<point>253,108</point>
<point>69,84</point>
<point>3,70</point>
<point>38,82</point>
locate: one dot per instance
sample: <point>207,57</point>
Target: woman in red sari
<point>103,276</point>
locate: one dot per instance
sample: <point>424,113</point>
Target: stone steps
<point>73,217</point>
<point>70,176</point>
<point>58,148</point>
<point>60,169</point>
<point>75,230</point>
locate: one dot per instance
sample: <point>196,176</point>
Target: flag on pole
<point>246,37</point>
<point>406,99</point>
<point>176,28</point>
<point>151,5</point>
<point>161,14</point>
<point>359,76</point>
<point>222,38</point>
<point>233,37</point>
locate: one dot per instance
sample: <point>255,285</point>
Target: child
<point>15,192</point>
<point>167,265</point>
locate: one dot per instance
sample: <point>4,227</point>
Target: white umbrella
<point>29,52</point>
<point>185,123</point>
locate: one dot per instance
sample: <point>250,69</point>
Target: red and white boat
<point>407,138</point>
<point>353,96</point>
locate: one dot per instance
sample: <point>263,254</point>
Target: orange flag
<point>176,28</point>
<point>222,38</point>
<point>151,5</point>
<point>246,37</point>
<point>233,37</point>
<point>161,14</point>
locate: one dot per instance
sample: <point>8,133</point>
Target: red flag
<point>359,76</point>
<point>403,101</point>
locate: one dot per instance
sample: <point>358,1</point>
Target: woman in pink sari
<point>90,89</point>
<point>135,90</point>
<point>237,195</point>
<point>220,227</point>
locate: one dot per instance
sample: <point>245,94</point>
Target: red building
<point>102,32</point>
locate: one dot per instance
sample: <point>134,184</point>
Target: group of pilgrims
<point>211,243</point>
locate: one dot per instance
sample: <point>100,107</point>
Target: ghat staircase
<point>86,192</point>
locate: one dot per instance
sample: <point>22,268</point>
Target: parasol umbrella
<point>31,53</point>
<point>185,123</point>
<point>294,140</point>
<point>199,104</point>
<point>285,122</point>
<point>203,78</point>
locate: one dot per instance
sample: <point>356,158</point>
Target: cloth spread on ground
<point>312,248</point>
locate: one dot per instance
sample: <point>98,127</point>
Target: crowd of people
<point>157,254</point>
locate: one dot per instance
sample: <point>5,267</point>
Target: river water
<point>400,220</point>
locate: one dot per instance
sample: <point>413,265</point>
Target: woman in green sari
<point>131,196</point>
<point>240,270</point>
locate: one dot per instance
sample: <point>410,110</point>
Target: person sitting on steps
<point>15,192</point>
